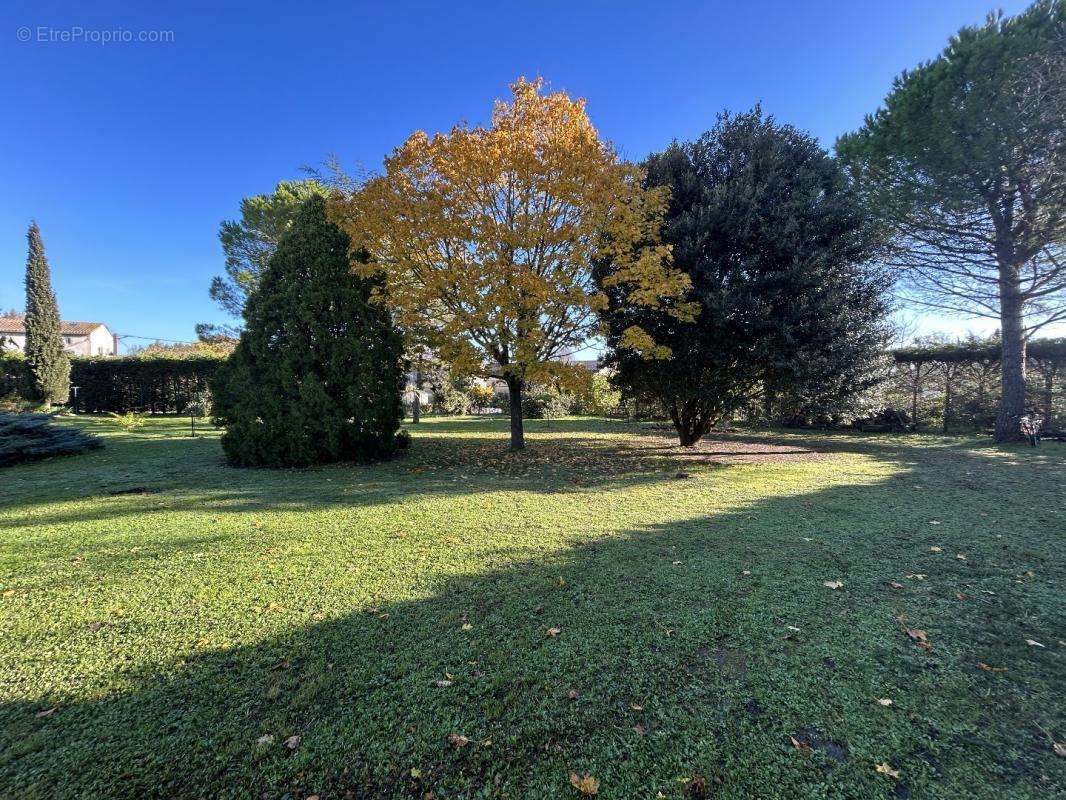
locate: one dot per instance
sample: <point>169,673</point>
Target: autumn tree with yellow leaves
<point>487,239</point>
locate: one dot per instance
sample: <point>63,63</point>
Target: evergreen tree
<point>776,247</point>
<point>966,165</point>
<point>317,375</point>
<point>47,361</point>
<point>248,243</point>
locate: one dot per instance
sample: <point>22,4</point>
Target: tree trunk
<point>1012,364</point>
<point>690,424</point>
<point>949,379</point>
<point>416,407</point>
<point>514,391</point>
<point>768,405</point>
<point>914,395</point>
<point>1049,391</point>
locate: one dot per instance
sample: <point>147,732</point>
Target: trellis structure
<point>1045,358</point>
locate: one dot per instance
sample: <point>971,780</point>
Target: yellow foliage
<point>487,237</point>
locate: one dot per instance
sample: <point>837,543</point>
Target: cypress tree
<point>48,362</point>
<point>316,376</point>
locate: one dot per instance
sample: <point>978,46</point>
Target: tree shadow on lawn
<point>686,654</point>
<point>138,476</point>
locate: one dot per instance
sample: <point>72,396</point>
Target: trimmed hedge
<point>1052,350</point>
<point>152,384</point>
<point>16,383</point>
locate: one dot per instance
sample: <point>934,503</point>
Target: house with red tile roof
<point>79,338</point>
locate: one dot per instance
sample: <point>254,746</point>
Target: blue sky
<point>129,154</point>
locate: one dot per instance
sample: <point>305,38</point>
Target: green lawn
<point>167,623</point>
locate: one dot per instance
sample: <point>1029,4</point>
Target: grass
<point>167,623</point>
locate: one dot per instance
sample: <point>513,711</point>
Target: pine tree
<point>317,374</point>
<point>47,361</point>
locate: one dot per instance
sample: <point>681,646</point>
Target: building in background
<point>79,338</point>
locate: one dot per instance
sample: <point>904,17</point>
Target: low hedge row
<point>156,385</point>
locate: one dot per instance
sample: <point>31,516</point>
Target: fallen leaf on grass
<point>1059,748</point>
<point>553,632</point>
<point>467,626</point>
<point>895,584</point>
<point>636,706</point>
<point>987,668</point>
<point>960,556</point>
<point>802,747</point>
<point>832,584</point>
<point>47,712</point>
<point>961,596</point>
<point>920,637</point>
<point>640,729</point>
<point>935,549</point>
<point>292,742</point>
<point>918,576</point>
<point>572,694</point>
<point>884,701</point>
<point>416,773</point>
<point>1033,643</point>
<point>442,684</point>
<point>585,784</point>
<point>884,769</point>
<point>457,740</point>
<point>95,626</point>
<point>264,740</point>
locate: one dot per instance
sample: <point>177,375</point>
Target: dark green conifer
<point>317,374</point>
<point>48,362</point>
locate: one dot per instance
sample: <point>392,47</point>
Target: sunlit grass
<point>184,619</point>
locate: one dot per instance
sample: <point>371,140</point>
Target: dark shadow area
<point>146,473</point>
<point>694,649</point>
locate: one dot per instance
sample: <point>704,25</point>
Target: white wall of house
<point>99,342</point>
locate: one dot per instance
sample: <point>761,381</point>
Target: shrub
<point>545,404</point>
<point>450,398</point>
<point>199,405</point>
<point>403,440</point>
<point>129,421</point>
<point>481,397</point>
<point>886,420</point>
<point>29,437</point>
<point>317,374</point>
<point>597,398</point>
